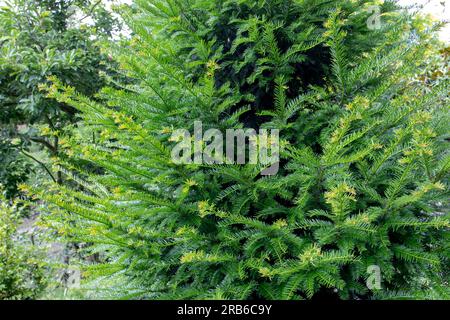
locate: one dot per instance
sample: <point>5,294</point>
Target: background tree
<point>39,39</point>
<point>42,38</point>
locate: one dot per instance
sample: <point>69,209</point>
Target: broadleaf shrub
<point>23,274</point>
<point>363,156</point>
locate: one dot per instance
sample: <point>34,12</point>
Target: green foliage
<point>22,272</point>
<point>15,169</point>
<point>364,154</point>
<point>40,39</point>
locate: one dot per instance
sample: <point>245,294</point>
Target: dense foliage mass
<point>363,176</point>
